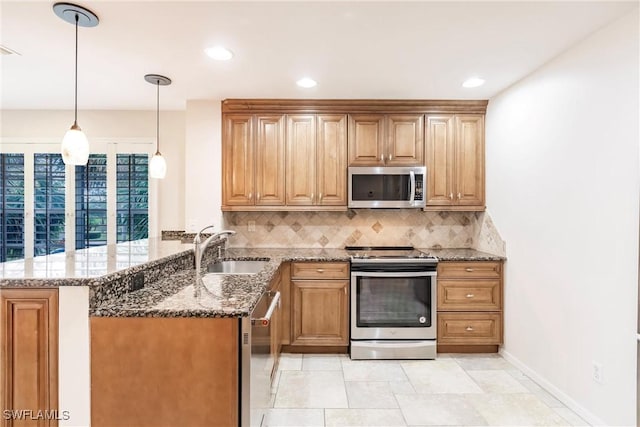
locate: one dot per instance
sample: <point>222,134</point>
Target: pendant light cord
<point>158,119</point>
<point>75,117</point>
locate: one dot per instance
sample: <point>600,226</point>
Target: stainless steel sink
<point>237,267</point>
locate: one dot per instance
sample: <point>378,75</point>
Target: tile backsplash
<point>364,227</point>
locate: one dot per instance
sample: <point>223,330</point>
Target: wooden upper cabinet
<point>386,140</point>
<point>331,173</point>
<point>455,162</point>
<point>405,140</point>
<point>270,161</point>
<point>440,157</point>
<point>301,159</point>
<point>238,163</point>
<point>29,352</point>
<point>366,139</point>
<point>470,160</point>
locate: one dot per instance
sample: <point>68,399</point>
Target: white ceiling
<point>375,50</point>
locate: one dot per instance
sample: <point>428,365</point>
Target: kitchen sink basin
<point>237,267</point>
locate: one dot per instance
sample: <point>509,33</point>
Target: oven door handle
<point>393,274</point>
<point>412,186</point>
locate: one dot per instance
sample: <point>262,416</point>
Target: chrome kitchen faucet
<point>199,248</point>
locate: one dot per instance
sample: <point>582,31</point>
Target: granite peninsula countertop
<point>171,289</point>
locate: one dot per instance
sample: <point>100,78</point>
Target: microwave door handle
<point>412,186</point>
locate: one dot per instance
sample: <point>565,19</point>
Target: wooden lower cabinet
<point>470,317</point>
<point>319,304</point>
<point>164,372</point>
<point>29,355</point>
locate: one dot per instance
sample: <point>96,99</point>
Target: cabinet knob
<point>312,197</point>
<point>469,270</point>
<point>390,156</point>
<point>320,197</point>
<point>470,295</point>
<point>250,194</point>
<point>320,270</point>
<point>450,196</point>
<point>458,196</point>
<point>382,158</point>
<point>469,329</point>
<point>258,196</point>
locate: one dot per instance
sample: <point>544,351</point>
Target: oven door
<point>393,305</point>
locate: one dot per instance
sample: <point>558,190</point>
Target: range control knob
<point>422,319</point>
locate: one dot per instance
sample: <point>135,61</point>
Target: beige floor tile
<point>541,393</point>
<point>435,409</point>
<point>290,362</point>
<point>364,418</point>
<point>439,376</point>
<point>295,418</point>
<point>370,394</point>
<point>571,417</point>
<point>372,370</point>
<point>473,362</point>
<point>496,381</point>
<point>401,387</point>
<point>311,389</point>
<point>521,409</point>
<point>321,363</point>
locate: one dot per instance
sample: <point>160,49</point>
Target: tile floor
<point>454,390</point>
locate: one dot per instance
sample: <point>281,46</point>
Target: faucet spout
<point>199,246</point>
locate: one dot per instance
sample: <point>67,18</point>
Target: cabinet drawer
<point>320,270</point>
<point>469,295</point>
<point>469,328</point>
<point>475,269</point>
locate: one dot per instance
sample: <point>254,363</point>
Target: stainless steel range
<point>393,303</point>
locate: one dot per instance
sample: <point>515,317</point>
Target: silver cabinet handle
<point>345,290</point>
<point>390,156</point>
<point>250,194</point>
<point>382,158</point>
<point>312,197</point>
<point>458,196</point>
<point>470,295</point>
<point>469,270</point>
<point>320,197</point>
<point>320,270</point>
<point>469,329</point>
<point>266,320</point>
<point>450,196</point>
<point>258,196</point>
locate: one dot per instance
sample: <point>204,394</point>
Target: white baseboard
<point>586,415</point>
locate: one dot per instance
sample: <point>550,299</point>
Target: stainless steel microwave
<point>387,186</point>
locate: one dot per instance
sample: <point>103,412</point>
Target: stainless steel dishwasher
<point>258,361</point>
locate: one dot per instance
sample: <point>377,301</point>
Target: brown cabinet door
<point>320,312</point>
<point>332,160</point>
<point>29,352</point>
<point>366,139</point>
<point>470,328</point>
<point>238,166</point>
<point>439,160</point>
<point>470,160</point>
<point>405,140</point>
<point>270,161</point>
<point>301,160</point>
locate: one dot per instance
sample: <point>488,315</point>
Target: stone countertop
<point>462,254</point>
<point>217,296</point>
<point>89,266</point>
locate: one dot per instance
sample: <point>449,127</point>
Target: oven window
<point>393,302</point>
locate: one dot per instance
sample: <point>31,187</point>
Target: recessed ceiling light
<point>473,82</point>
<point>219,53</point>
<point>306,82</point>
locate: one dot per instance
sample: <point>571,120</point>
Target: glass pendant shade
<point>157,166</point>
<point>75,147</point>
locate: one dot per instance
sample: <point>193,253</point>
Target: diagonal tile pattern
<point>454,390</point>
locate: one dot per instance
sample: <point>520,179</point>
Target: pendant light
<point>75,147</point>
<point>157,164</point>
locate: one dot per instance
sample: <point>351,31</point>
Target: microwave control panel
<point>419,189</point>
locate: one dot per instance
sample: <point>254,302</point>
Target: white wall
<point>203,187</point>
<point>563,188</point>
<point>105,124</point>
<point>74,360</point>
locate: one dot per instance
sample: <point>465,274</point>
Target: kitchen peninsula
<point>145,345</point>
